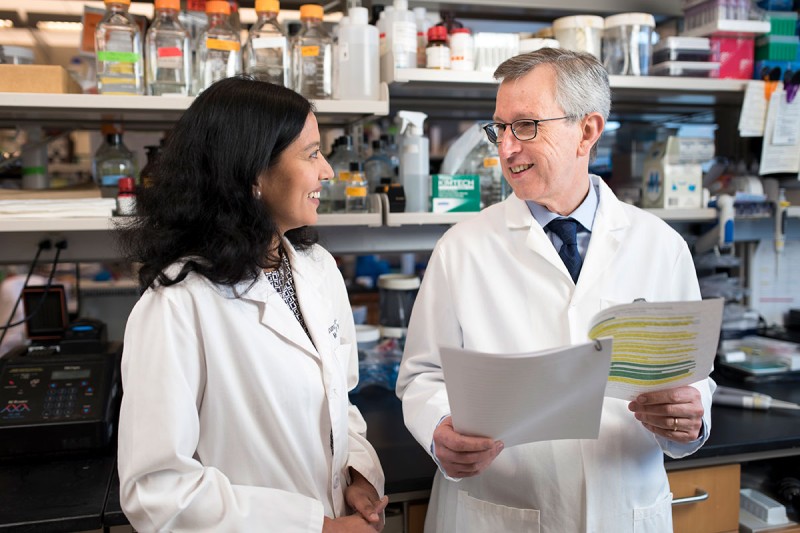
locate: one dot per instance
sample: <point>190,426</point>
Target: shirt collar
<point>584,213</point>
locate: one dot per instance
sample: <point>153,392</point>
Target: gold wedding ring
<point>674,423</point>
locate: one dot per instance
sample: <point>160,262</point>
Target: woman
<point>239,355</point>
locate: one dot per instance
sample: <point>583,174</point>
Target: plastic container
<point>491,49</point>
<point>777,47</point>
<point>357,57</point>
<point>219,50</point>
<point>118,48</point>
<point>711,12</point>
<point>266,52</point>
<point>367,338</point>
<point>690,69</point>
<point>356,190</point>
<point>168,52</point>
<point>312,55</point>
<point>15,55</point>
<point>627,44</point>
<point>462,50</point>
<point>735,56</point>
<point>396,294</point>
<point>437,52</point>
<point>582,33</point>
<point>682,49</point>
<point>782,22</point>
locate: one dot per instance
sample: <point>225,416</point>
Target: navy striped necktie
<point>567,231</point>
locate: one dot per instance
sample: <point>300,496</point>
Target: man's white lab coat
<point>495,283</point>
<point>229,409</point>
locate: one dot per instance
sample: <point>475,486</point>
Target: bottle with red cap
<point>126,197</point>
<point>437,53</point>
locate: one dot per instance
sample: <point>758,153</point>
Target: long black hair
<point>200,205</point>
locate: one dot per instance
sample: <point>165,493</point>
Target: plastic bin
<point>689,69</point>
<point>682,49</point>
<point>777,47</point>
<point>735,56</point>
<point>712,11</point>
<point>782,22</point>
<point>765,66</point>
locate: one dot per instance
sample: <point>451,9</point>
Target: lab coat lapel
<point>309,280</point>
<point>275,314</point>
<point>519,217</point>
<point>610,226</point>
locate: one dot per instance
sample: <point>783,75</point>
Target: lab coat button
<point>336,481</point>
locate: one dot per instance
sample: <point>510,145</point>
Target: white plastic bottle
<point>357,58</point>
<point>118,48</point>
<point>219,52</point>
<point>266,54</point>
<point>312,51</point>
<point>414,162</point>
<point>401,36</point>
<point>168,52</point>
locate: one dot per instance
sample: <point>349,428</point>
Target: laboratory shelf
<point>146,112</point>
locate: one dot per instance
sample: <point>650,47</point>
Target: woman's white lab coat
<point>231,419</point>
<point>495,283</point>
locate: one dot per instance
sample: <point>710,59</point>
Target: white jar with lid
<point>462,50</point>
<point>582,33</point>
<point>627,44</point>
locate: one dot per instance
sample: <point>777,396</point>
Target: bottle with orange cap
<point>118,49</point>
<point>168,51</point>
<point>219,52</point>
<point>312,56</point>
<point>266,55</point>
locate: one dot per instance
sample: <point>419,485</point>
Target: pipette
<point>749,399</point>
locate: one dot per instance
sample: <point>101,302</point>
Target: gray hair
<point>581,80</point>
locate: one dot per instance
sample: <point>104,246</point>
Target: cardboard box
<point>459,193</point>
<point>36,79</point>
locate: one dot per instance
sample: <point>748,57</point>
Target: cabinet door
<point>715,514</point>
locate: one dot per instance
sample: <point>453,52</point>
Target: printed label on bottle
<point>344,52</point>
<point>309,51</point>
<point>117,57</point>
<point>196,5</point>
<point>357,191</point>
<point>170,57</point>
<point>344,175</point>
<point>437,57</point>
<point>110,85</point>
<point>219,44</point>
<point>491,162</point>
<point>111,179</point>
<point>269,42</point>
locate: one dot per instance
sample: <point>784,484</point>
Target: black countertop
<point>81,493</point>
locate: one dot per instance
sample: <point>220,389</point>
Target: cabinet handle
<point>699,496</point>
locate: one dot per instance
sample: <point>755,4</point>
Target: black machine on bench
<point>60,394</point>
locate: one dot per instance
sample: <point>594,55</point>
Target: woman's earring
<point>258,194</point>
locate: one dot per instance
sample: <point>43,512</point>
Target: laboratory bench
<point>82,493</point>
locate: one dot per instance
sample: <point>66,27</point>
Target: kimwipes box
<point>36,79</point>
<point>455,193</point>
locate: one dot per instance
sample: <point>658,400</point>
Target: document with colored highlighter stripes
<point>558,394</point>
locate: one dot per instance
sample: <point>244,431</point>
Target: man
<point>497,283</point>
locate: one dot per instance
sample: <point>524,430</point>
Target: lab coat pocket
<point>654,519</point>
<point>478,516</point>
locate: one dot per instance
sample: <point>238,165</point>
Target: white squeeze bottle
<point>118,47</point>
<point>168,52</point>
<point>266,54</point>
<point>414,162</point>
<point>357,58</point>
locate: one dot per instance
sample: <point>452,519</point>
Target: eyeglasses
<point>523,129</point>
